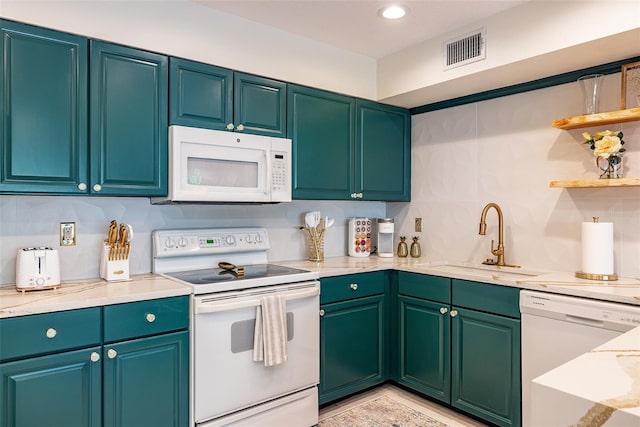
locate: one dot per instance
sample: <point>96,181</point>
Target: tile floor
<point>442,414</point>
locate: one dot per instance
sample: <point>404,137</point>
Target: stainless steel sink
<point>493,272</point>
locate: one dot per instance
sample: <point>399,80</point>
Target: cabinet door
<point>321,127</point>
<point>383,152</point>
<point>146,382</point>
<point>128,121</point>
<point>486,366</point>
<point>59,390</point>
<point>201,95</point>
<point>43,110</point>
<point>351,347</point>
<point>424,346</point>
<point>260,105</point>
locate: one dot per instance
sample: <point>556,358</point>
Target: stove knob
<point>183,242</point>
<point>259,238</point>
<point>249,238</point>
<point>169,242</point>
<point>230,240</point>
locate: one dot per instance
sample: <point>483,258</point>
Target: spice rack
<point>598,119</point>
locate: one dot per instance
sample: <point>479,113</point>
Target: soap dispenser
<point>416,252</point>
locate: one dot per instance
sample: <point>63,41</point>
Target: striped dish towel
<point>270,334</point>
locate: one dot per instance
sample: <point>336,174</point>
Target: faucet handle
<point>498,251</point>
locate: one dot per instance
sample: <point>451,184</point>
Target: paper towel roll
<point>597,247</point>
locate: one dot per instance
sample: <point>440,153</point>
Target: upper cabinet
<point>348,149</point>
<point>43,101</point>
<point>207,96</point>
<point>46,146</point>
<point>382,152</point>
<point>128,121</point>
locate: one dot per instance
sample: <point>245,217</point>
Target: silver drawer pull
<point>51,333</point>
<point>95,356</point>
<point>443,310</point>
<point>150,317</point>
<point>321,313</point>
<point>111,353</point>
<point>354,286</point>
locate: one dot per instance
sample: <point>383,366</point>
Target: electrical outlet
<point>67,234</point>
<point>418,227</point>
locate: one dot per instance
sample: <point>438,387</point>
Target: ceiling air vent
<point>465,49</point>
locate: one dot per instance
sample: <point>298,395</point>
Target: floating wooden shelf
<point>598,119</point>
<point>592,183</point>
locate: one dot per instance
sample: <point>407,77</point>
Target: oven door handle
<point>215,307</point>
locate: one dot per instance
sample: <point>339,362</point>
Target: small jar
<point>403,250</point>
<point>416,252</point>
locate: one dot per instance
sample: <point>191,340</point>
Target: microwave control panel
<point>279,171</point>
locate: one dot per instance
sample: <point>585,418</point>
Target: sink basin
<point>493,272</point>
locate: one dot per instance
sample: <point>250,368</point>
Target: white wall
<point>27,221</point>
<point>505,151</point>
<point>186,29</point>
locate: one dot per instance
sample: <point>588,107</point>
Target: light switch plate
<point>418,227</point>
<point>67,234</point>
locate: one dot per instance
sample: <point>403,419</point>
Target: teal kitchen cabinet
<point>485,350</point>
<point>352,334</point>
<point>128,150</point>
<point>424,334</point>
<point>43,110</point>
<point>211,97</point>
<point>346,148</point>
<point>51,369</point>
<point>124,364</point>
<point>465,353</point>
<point>382,152</point>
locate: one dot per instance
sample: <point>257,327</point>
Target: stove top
<point>188,256</point>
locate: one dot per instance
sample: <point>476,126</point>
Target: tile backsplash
<point>505,150</point>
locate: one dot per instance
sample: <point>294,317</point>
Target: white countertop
<point>87,293</point>
<point>623,290</point>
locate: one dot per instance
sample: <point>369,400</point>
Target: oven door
<point>225,377</point>
<point>209,165</point>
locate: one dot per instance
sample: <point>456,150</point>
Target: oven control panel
<point>171,243</point>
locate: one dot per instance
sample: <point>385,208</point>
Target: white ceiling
<point>354,25</point>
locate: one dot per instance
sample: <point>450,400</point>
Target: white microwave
<point>211,166</point>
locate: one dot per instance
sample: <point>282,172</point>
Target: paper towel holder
<point>591,276</point>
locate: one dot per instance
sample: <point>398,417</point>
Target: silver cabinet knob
<point>443,310</point>
<point>51,333</point>
<point>150,317</point>
<point>82,186</point>
<point>353,195</point>
<point>321,313</point>
<point>354,286</point>
<point>359,195</point>
<point>97,187</point>
<point>111,353</point>
<point>240,128</point>
<point>95,356</point>
<point>230,126</point>
<point>453,313</point>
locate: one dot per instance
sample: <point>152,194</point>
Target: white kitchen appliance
<point>557,328</point>
<point>359,240</point>
<point>37,268</point>
<point>210,166</point>
<point>228,387</point>
<point>385,237</point>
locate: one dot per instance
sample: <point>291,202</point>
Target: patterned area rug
<point>381,412</point>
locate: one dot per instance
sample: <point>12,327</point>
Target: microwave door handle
<point>204,308</point>
<point>267,156</point>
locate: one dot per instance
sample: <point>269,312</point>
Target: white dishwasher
<point>558,328</point>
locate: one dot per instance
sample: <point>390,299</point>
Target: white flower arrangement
<point>605,144</point>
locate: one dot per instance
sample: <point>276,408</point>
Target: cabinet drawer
<point>423,286</point>
<point>351,286</point>
<point>137,319</point>
<point>485,297</point>
<point>50,332</point>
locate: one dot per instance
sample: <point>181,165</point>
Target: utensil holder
<point>315,239</point>
<point>114,268</point>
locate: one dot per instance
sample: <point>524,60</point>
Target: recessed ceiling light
<point>393,12</point>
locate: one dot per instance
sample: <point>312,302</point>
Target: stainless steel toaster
<point>37,268</point>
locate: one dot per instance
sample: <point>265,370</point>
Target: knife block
<point>113,270</point>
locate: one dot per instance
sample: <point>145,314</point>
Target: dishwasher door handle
<point>583,320</point>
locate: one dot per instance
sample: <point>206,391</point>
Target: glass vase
<point>611,167</point>
<point>590,85</point>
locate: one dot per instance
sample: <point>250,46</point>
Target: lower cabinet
<point>459,342</point>
<point>55,369</point>
<point>352,334</point>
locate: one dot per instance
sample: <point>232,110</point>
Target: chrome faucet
<point>499,252</point>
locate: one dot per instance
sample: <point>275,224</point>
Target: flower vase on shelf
<point>611,167</point>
